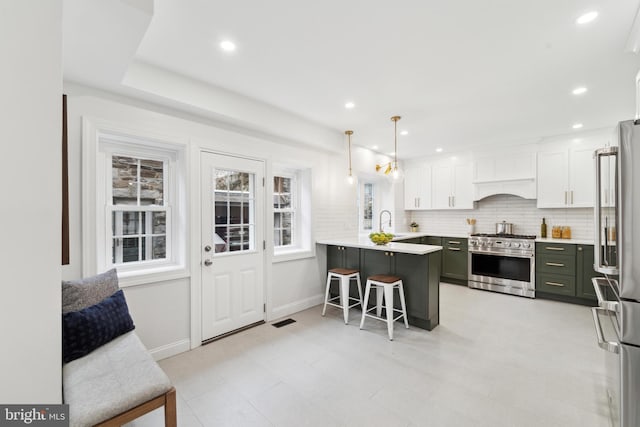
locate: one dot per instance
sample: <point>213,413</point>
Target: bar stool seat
<point>344,275</point>
<point>384,285</point>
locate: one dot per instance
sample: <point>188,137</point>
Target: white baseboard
<point>170,349</point>
<point>294,307</point>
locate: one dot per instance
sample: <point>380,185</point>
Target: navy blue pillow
<point>85,330</point>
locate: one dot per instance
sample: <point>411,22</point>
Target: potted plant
<point>414,226</point>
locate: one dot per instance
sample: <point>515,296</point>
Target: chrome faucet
<point>380,220</point>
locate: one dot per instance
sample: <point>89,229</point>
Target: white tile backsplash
<point>523,213</point>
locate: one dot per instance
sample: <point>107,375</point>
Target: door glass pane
<point>233,211</point>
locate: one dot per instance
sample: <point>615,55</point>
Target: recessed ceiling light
<point>438,150</point>
<point>577,126</point>
<point>587,17</point>
<point>349,105</point>
<point>579,90</point>
<point>404,132</point>
<point>375,147</point>
<point>228,46</point>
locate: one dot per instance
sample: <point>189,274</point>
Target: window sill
<point>292,254</point>
<point>152,275</point>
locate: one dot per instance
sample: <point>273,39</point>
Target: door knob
<point>207,248</point>
<point>208,262</point>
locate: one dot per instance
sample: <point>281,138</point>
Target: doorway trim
<point>195,219</point>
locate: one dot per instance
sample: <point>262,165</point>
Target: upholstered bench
<point>109,378</point>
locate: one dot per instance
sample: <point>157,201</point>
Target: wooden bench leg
<point>170,416</point>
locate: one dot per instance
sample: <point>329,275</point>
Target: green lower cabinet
<point>420,276</point>
<point>343,257</point>
<point>431,240</point>
<point>565,271</point>
<point>455,259</point>
<point>585,272</point>
<point>556,284</point>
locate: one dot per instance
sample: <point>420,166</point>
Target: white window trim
<point>302,247</point>
<point>145,143</point>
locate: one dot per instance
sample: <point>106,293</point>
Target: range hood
<point>521,187</point>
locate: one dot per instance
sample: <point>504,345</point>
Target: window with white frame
<point>140,206</point>
<point>138,210</point>
<point>367,205</point>
<point>284,211</point>
<point>291,213</point>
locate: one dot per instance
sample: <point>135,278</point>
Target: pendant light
<point>396,172</point>
<point>392,167</point>
<point>350,176</point>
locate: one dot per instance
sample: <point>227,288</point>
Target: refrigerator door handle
<point>610,346</point>
<point>598,282</point>
<point>600,264</point>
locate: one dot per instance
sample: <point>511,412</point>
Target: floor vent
<point>284,322</point>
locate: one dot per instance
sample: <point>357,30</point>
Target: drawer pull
<point>554,264</point>
<point>454,242</point>
<point>454,249</point>
<point>554,248</point>
<point>554,284</point>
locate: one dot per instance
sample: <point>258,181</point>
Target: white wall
<point>163,311</point>
<point>30,309</point>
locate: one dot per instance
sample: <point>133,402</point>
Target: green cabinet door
<point>455,258</point>
<point>343,257</point>
<point>585,272</point>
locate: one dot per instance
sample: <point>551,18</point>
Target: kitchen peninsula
<point>418,265</point>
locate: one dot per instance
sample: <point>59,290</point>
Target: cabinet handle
<point>454,242</point>
<point>453,201</point>
<point>554,264</point>
<point>565,198</point>
<point>390,253</point>
<point>571,196</point>
<point>554,248</point>
<point>418,200</point>
<point>454,249</point>
<point>561,285</point>
<point>579,248</point>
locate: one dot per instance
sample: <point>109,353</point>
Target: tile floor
<point>494,360</point>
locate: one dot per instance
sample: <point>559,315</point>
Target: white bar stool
<point>385,283</point>
<point>345,275</point>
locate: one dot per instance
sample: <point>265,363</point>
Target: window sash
<point>114,231</point>
<point>292,209</point>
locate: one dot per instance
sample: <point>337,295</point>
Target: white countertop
<point>365,243</point>
<point>566,241</point>
<point>409,235</point>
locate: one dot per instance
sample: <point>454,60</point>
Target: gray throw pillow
<point>83,293</point>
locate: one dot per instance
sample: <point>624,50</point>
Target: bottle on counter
<point>543,229</point>
<point>566,232</point>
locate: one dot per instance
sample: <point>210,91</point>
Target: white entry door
<point>232,243</point>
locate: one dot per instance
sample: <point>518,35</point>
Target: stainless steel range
<point>503,263</point>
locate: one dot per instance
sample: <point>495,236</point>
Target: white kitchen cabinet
<point>566,178</point>
<point>452,186</point>
<point>417,188</point>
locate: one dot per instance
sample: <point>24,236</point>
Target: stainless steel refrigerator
<point>617,257</point>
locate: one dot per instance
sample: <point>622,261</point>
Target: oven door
<point>508,273</point>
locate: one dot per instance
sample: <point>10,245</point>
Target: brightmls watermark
<point>34,415</point>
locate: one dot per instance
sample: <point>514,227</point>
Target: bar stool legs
<point>384,286</point>
<point>345,276</point>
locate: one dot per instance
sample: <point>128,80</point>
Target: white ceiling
<point>459,72</point>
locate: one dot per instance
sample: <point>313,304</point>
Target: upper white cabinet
<point>452,186</point>
<point>417,188</point>
<point>566,178</point>
<point>505,173</point>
